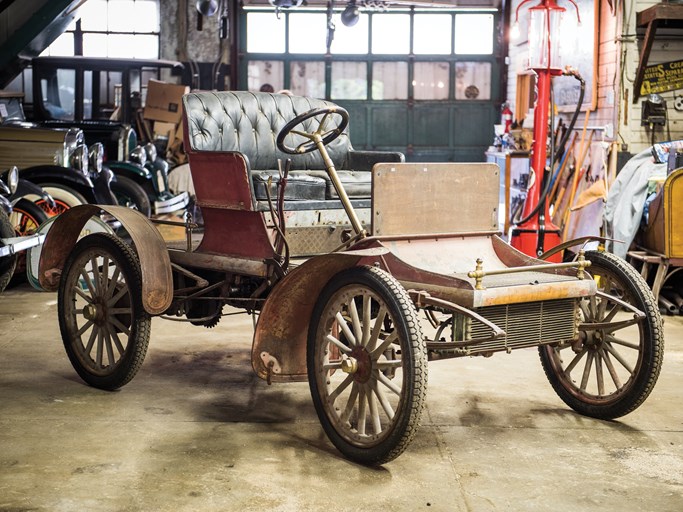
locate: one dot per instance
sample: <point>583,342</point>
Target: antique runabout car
<point>359,267</point>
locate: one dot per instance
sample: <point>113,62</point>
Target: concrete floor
<point>197,431</point>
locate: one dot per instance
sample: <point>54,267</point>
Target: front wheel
<point>104,326</point>
<point>64,197</point>
<point>615,362</point>
<point>130,194</point>
<point>367,365</point>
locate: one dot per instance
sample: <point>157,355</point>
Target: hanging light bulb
<point>514,31</point>
<point>350,16</point>
<point>207,7</point>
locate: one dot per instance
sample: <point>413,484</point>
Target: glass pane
<point>430,81</point>
<point>349,81</point>
<point>391,33</point>
<point>95,45</point>
<point>120,12</point>
<point>58,98</point>
<point>146,16</point>
<point>432,34</point>
<point>390,81</point>
<point>260,23</point>
<point>265,75</point>
<point>307,79</point>
<point>128,45</point>
<point>473,81</point>
<point>87,94</point>
<point>92,17</point>
<point>351,40</point>
<point>307,33</point>
<point>474,34</point>
<point>63,46</point>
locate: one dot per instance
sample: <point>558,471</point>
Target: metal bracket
<point>272,366</point>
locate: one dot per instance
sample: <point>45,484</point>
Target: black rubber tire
<point>116,311</point>
<point>407,372</point>
<point>131,194</point>
<point>8,263</point>
<point>635,379</point>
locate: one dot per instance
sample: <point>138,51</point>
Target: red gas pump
<point>536,233</point>
<point>506,117</point>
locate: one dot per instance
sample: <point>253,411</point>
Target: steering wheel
<point>320,135</point>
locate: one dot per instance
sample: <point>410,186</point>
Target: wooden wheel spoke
<point>336,365</point>
<point>85,327</point>
<point>91,341</point>
<point>598,374</point>
<point>110,349</point>
<point>121,311</point>
<point>96,276</point>
<point>389,363</point>
<point>104,274</point>
<point>384,402</point>
<point>350,404</point>
<point>392,338</point>
<point>338,344</point>
<point>100,349</point>
<point>112,283</point>
<point>367,313</point>
<point>393,387</point>
<point>376,329</point>
<point>116,323</point>
<point>345,384</point>
<point>88,282</point>
<point>123,291</point>
<point>610,368</point>
<point>618,357</point>
<point>355,321</point>
<point>374,412</point>
<point>117,342</point>
<point>575,361</point>
<point>362,412</point>
<point>345,328</point>
<point>82,294</point>
<point>586,371</point>
<point>613,339</point>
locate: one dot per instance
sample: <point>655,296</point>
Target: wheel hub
<point>359,364</point>
<point>93,312</point>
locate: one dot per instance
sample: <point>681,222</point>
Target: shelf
<point>660,16</point>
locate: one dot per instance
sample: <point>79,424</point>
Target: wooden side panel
<point>412,198</point>
<point>673,207</point>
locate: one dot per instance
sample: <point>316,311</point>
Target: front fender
<point>130,170</point>
<point>60,175</point>
<point>155,264</point>
<point>282,329</point>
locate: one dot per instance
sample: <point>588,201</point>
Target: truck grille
<point>526,325</point>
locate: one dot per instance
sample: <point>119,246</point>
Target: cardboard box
<point>162,129</point>
<point>164,101</point>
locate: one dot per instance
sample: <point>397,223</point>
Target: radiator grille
<point>526,325</point>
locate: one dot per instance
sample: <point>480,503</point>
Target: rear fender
<point>155,265</point>
<point>279,349</point>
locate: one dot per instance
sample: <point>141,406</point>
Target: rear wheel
<point>7,263</point>
<point>367,365</point>
<point>64,197</point>
<point>130,194</point>
<point>614,364</point>
<point>104,326</point>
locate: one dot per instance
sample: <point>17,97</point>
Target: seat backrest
<point>249,123</point>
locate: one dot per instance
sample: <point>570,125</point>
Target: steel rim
<point>359,367</point>
<point>603,363</point>
<point>99,312</point>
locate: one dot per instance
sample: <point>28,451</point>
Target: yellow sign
<point>663,77</point>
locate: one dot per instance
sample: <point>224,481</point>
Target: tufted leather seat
<point>248,123</point>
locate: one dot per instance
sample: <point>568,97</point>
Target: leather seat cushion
<point>356,183</point>
<point>300,186</point>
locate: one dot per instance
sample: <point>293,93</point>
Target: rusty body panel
<point>440,266</point>
<point>282,328</point>
<point>157,280</point>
